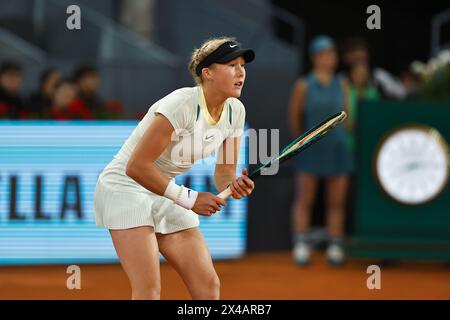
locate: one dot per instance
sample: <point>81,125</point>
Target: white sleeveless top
<point>196,135</point>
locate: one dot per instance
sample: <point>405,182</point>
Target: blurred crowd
<point>58,97</point>
<point>367,81</point>
<point>77,96</point>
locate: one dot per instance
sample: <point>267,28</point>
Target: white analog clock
<point>412,164</point>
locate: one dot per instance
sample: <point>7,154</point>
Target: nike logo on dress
<point>207,138</point>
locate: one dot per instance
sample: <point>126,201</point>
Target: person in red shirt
<point>65,106</point>
<point>87,81</point>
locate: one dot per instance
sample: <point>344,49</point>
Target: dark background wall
<point>405,26</point>
<point>404,37</point>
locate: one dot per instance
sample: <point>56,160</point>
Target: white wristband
<point>187,198</point>
<point>173,191</point>
<point>181,195</point>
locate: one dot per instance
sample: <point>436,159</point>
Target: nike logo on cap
<point>233,45</point>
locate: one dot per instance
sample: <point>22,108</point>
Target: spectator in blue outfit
<point>314,98</point>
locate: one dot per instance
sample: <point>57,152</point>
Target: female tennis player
<point>136,196</point>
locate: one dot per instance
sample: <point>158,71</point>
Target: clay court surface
<point>256,276</point>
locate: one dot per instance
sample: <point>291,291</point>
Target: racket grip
<point>225,194</point>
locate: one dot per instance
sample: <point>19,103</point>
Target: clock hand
<point>409,168</point>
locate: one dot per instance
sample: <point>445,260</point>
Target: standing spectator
<point>321,94</point>
<point>411,82</point>
<point>40,102</point>
<point>11,104</point>
<point>64,105</point>
<point>360,89</point>
<point>356,51</point>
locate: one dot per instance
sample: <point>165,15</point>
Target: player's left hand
<point>242,186</point>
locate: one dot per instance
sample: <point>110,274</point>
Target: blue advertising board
<point>48,173</point>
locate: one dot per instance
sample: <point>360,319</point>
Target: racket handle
<point>225,194</point>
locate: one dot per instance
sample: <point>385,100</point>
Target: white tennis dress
<point>122,203</point>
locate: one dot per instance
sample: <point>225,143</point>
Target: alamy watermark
<point>73,21</point>
<point>374,280</point>
<point>374,20</point>
<point>74,280</point>
<point>205,147</point>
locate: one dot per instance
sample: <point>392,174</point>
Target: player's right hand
<point>207,204</point>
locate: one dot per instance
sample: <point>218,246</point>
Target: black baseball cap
<point>225,52</point>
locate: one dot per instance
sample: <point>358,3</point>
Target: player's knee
<point>146,291</point>
<point>215,284</point>
<point>213,287</point>
<point>210,288</point>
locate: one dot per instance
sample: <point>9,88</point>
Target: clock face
<point>411,165</point>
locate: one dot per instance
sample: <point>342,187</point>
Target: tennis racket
<point>295,147</point>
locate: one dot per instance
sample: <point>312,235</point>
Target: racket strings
<point>316,133</point>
